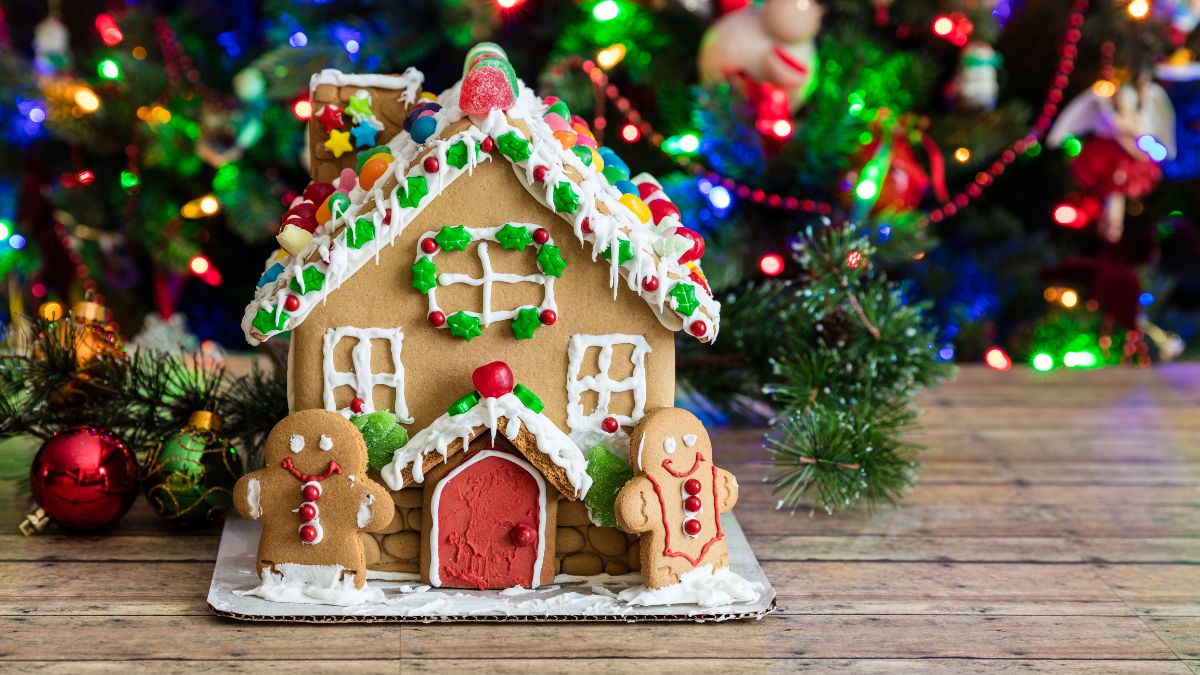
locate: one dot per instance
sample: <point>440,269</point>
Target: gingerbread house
<point>490,228</point>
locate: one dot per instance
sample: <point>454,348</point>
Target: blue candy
<point>423,128</point>
<point>270,275</point>
<point>611,159</point>
<point>626,187</point>
<point>416,112</point>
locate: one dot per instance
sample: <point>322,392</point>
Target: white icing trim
<point>641,446</point>
<point>326,443</point>
<point>254,497</point>
<point>364,509</point>
<point>585,428</point>
<point>438,436</point>
<point>435,502</point>
<point>360,378</point>
<point>690,440</point>
<point>296,443</point>
<point>702,586</point>
<point>312,584</point>
<point>408,84</point>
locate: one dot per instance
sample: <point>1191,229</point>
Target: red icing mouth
<point>790,62</point>
<point>304,477</point>
<point>667,465</point>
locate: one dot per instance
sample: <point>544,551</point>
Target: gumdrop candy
<point>383,435</point>
<point>609,474</point>
<point>488,87</point>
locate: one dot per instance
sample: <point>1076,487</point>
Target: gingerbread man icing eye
<point>326,443</point>
<point>296,443</point>
<point>669,445</point>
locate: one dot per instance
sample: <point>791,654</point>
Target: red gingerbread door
<point>489,518</point>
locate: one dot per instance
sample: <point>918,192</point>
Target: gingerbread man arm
<point>247,494</point>
<point>636,507</point>
<point>382,509</point>
<point>727,490</point>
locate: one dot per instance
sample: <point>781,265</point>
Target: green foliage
<point>609,474</point>
<point>383,435</point>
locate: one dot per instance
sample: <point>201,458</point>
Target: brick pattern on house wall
<point>586,549</point>
<point>398,547</point>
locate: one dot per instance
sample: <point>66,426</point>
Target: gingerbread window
<point>606,382</point>
<point>363,371</point>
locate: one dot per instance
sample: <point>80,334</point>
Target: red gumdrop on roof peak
<point>493,380</point>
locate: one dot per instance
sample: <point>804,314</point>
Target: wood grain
<point>1055,528</point>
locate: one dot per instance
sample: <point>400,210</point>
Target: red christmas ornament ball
<point>610,425</point>
<point>692,527</point>
<point>493,380</point>
<point>692,504</point>
<point>311,493</point>
<point>308,511</point>
<point>85,478</point>
<point>692,486</point>
<point>308,533</point>
<point>522,535</point>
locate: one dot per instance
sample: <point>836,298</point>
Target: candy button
<point>566,138</point>
<point>308,533</point>
<point>692,504</point>
<point>610,425</point>
<point>692,486</point>
<point>308,511</point>
<point>585,140</point>
<point>522,535</point>
<point>692,527</point>
<point>557,122</point>
<point>614,174</point>
<point>637,206</point>
<point>372,170</point>
<point>311,492</point>
<point>597,161</point>
<point>626,187</point>
<point>423,128</point>
<point>661,208</point>
<point>356,406</point>
<point>584,154</point>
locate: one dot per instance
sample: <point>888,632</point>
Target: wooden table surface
<point>1056,527</point>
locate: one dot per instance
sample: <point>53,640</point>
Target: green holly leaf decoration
<point>512,146</point>
<point>464,325</point>
<point>311,280</point>
<point>265,321</point>
<point>609,474</point>
<point>514,237</point>
<point>565,198</point>
<point>424,275</point>
<point>417,189</point>
<point>526,323</point>
<point>361,232</point>
<point>383,435</point>
<point>453,238</point>
<point>456,156</point>
<point>550,260</point>
<point>685,298</point>
<point>624,252</point>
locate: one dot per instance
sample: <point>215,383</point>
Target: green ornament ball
<point>190,474</point>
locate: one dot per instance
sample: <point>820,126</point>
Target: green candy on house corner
<point>383,435</point>
<point>189,475</point>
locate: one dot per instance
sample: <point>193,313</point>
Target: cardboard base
<point>568,599</point>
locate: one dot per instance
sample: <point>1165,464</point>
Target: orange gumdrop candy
<point>372,170</point>
<point>323,214</point>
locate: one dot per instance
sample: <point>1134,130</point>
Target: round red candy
<point>308,511</point>
<point>646,189</point>
<point>692,486</point>
<point>541,235</point>
<point>493,380</point>
<point>697,250</point>
<point>488,144</point>
<point>311,493</point>
<point>692,504</point>
<point>548,317</point>
<point>586,226</point>
<point>692,527</point>
<point>661,208</point>
<point>539,172</point>
<point>699,328</point>
<point>522,535</point>
<point>292,303</point>
<point>650,284</point>
<point>308,533</point>
<point>610,425</point>
<point>356,406</point>
<point>428,245</point>
<point>317,193</point>
<point>305,210</point>
<point>431,164</point>
<point>437,319</point>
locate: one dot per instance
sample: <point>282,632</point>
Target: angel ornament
<point>1131,131</point>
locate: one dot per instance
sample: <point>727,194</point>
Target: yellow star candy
<point>339,142</point>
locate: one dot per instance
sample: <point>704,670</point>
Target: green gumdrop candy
<point>609,474</point>
<point>383,435</point>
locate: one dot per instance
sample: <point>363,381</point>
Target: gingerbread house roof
<point>530,432</point>
<point>601,215</point>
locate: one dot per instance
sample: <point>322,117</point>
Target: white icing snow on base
<point>312,585</point>
<point>702,586</point>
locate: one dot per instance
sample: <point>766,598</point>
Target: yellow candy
<point>597,163</point>
<point>428,96</point>
<point>636,206</point>
<point>372,169</point>
<point>565,138</point>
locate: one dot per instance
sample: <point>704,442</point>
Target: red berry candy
<point>650,284</point>
<point>292,303</point>
<point>699,328</point>
<point>541,235</point>
<point>548,317</point>
<point>692,527</point>
<point>697,250</point>
<point>692,504</point>
<point>437,319</point>
<point>356,406</point>
<point>661,208</point>
<point>308,533</point>
<point>493,380</point>
<point>488,144</point>
<point>610,425</point>
<point>428,245</point>
<point>522,535</point>
<point>311,493</point>
<point>586,226</point>
<point>692,486</point>
<point>539,172</point>
<point>431,164</point>
<point>308,511</point>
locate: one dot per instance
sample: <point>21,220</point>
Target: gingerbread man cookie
<point>676,497</point>
<point>314,496</point>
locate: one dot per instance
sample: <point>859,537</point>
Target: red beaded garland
<point>692,486</point>
<point>311,493</point>
<point>541,235</point>
<point>431,164</point>
<point>308,533</point>
<point>692,527</point>
<point>437,319</point>
<point>356,406</point>
<point>488,144</point>
<point>428,245</point>
<point>650,284</point>
<point>699,328</point>
<point>539,172</point>
<point>586,226</point>
<point>548,317</point>
<point>522,535</point>
<point>610,425</point>
<point>309,511</point>
<point>292,303</point>
<point>692,504</point>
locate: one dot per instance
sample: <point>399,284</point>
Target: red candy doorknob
<point>522,535</point>
<point>493,380</point>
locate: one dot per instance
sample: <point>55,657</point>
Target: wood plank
<point>1180,633</point>
<point>244,664</point>
<point>1172,590</point>
<point>114,547</point>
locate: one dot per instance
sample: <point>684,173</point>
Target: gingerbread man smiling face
<point>676,497</point>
